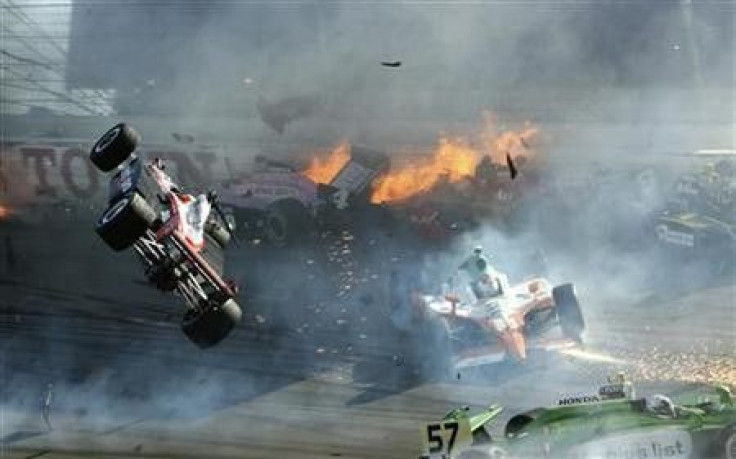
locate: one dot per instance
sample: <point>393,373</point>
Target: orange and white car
<point>506,326</point>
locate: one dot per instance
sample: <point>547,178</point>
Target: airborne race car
<point>605,425</point>
<point>506,327</point>
<point>176,235</point>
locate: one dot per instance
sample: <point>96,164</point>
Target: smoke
<point>547,60</point>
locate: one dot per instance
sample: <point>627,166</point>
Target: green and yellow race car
<point>608,425</point>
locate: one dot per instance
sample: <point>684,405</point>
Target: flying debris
<point>182,138</point>
<point>391,63</point>
<point>511,166</point>
<point>277,115</point>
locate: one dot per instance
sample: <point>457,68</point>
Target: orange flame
<point>4,212</point>
<point>453,160</point>
<point>322,170</point>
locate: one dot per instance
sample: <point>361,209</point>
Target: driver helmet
<point>661,405</point>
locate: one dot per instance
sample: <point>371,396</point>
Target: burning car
<point>282,205</point>
<point>606,424</point>
<point>180,238</point>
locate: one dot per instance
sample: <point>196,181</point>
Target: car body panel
<point>505,321</point>
<point>619,427</point>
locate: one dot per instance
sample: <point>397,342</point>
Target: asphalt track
<point>128,385</point>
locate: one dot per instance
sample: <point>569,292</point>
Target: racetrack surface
<point>127,384</point>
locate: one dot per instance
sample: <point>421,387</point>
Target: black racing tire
<point>725,447</point>
<point>286,223</point>
<point>219,233</point>
<point>114,147</point>
<point>569,312</point>
<point>126,220</point>
<point>208,328</point>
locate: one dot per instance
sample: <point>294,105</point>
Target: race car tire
<point>218,233</point>
<point>126,220</point>
<point>208,328</point>
<point>286,222</point>
<point>726,444</point>
<point>114,147</point>
<point>568,311</point>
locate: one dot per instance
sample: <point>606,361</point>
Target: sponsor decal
<point>578,400</point>
<point>29,171</point>
<point>669,236</point>
<point>613,391</point>
<point>662,444</point>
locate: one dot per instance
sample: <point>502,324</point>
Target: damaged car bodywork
<point>282,206</point>
<point>529,317</point>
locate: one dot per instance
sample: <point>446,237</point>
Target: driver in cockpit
<point>661,405</point>
<point>485,281</point>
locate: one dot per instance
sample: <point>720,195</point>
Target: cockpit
<point>661,406</point>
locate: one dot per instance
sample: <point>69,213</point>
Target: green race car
<point>607,425</point>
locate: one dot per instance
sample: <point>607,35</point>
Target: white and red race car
<point>506,326</point>
<point>177,236</point>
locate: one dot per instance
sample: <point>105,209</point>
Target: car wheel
<point>207,328</point>
<point>286,222</point>
<point>726,444</point>
<point>126,220</point>
<point>568,311</point>
<point>114,147</point>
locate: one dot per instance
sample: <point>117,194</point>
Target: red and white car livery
<point>177,236</point>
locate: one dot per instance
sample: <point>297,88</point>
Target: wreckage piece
<point>177,236</point>
<point>278,114</point>
<point>391,63</point>
<point>511,166</point>
<point>280,205</point>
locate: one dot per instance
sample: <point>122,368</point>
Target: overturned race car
<point>179,237</point>
<point>609,424</point>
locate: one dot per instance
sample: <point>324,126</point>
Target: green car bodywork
<point>607,429</point>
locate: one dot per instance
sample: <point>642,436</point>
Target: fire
<point>4,212</point>
<point>454,160</point>
<point>322,170</point>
